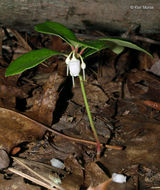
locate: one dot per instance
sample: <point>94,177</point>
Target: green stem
<point>90,116</point>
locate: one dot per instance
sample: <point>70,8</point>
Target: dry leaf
<point>95,95</point>
<point>94,174</point>
<point>44,100</point>
<point>16,128</point>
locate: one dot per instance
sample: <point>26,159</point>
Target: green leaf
<point>124,43</point>
<point>29,60</point>
<point>63,32</point>
<point>93,44</point>
<point>57,29</point>
<point>97,45</point>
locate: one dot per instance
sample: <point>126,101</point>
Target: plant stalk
<point>90,116</point>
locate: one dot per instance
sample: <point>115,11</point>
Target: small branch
<point>82,140</point>
<point>31,179</point>
<point>72,138</point>
<point>62,135</point>
<point>79,140</point>
<point>144,39</point>
<point>21,40</point>
<point>36,174</point>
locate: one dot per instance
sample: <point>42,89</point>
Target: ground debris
<point>16,129</point>
<point>43,101</point>
<point>16,183</point>
<point>141,136</point>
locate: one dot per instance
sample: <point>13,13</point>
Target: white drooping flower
<point>118,178</point>
<point>74,67</point>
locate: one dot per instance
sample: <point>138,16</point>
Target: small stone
<point>118,178</point>
<point>4,159</point>
<point>57,163</point>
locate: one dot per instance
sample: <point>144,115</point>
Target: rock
<point>4,159</point>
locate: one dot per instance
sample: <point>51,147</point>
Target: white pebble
<point>118,178</point>
<point>57,163</point>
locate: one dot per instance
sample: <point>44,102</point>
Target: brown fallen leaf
<point>74,180</point>
<point>16,128</point>
<point>9,90</point>
<point>95,94</point>
<point>94,175</point>
<point>141,137</point>
<point>44,100</point>
<point>18,183</point>
<point>141,84</point>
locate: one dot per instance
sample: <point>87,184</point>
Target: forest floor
<point>124,97</point>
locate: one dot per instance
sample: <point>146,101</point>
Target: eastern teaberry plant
<point>75,60</point>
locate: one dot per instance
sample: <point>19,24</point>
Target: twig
<point>35,173</point>
<point>155,187</point>
<point>17,51</point>
<point>75,139</point>
<point>144,39</point>
<point>65,136</point>
<point>31,178</point>
<point>21,40</point>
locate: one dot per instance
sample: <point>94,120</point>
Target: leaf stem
<point>72,47</point>
<point>82,51</point>
<point>90,116</point>
<point>76,50</point>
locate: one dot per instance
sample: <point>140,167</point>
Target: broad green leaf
<point>29,60</point>
<point>57,29</point>
<point>124,43</point>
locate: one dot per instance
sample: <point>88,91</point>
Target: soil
<point>123,93</point>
